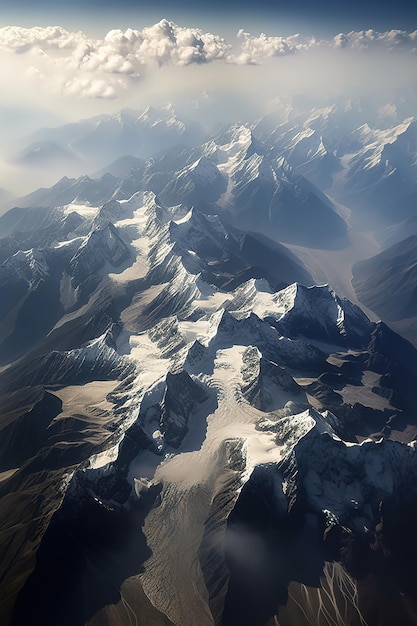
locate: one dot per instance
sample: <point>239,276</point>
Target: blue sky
<point>317,16</point>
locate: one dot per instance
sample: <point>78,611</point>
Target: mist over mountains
<point>208,333</point>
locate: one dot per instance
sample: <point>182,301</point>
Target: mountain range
<point>197,425</point>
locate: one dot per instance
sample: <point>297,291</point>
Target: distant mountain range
<point>104,138</point>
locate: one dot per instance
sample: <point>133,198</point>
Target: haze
<point>52,75</point>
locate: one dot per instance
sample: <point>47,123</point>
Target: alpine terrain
<point>203,421</point>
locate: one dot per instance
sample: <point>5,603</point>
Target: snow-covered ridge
<point>298,310</point>
<point>29,265</point>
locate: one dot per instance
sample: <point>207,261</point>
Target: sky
<point>317,15</point>
<point>65,61</point>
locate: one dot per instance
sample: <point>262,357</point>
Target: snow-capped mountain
<point>193,432</point>
<point>237,172</point>
<point>230,174</point>
<point>101,139</point>
<point>354,156</point>
<point>43,153</point>
<point>361,157</point>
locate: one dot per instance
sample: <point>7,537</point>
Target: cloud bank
<point>78,65</point>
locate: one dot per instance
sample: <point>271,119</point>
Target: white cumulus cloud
<point>21,40</point>
<point>73,63</point>
<point>255,50</point>
<point>366,39</point>
<point>74,59</point>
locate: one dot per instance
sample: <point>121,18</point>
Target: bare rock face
<point>26,416</point>
<point>167,408</point>
<point>180,397</point>
<point>317,312</point>
<point>101,245</point>
<point>267,386</point>
<point>376,283</point>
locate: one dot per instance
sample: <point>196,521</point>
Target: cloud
<point>90,88</point>
<point>21,40</point>
<point>366,39</point>
<point>164,43</point>
<point>79,59</point>
<point>255,50</point>
<point>73,64</point>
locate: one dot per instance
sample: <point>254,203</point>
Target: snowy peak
<point>29,265</point>
<point>162,116</point>
<point>266,385</point>
<point>225,330</point>
<point>101,246</point>
<point>167,407</point>
<point>181,396</point>
<point>198,183</point>
<point>96,360</point>
<point>222,323</point>
<point>253,168</point>
<point>102,139</point>
<point>317,312</point>
<point>110,212</point>
<point>363,157</point>
<point>81,191</point>
<point>203,171</point>
<point>237,143</point>
<point>264,194</point>
<point>329,469</point>
<point>382,149</point>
